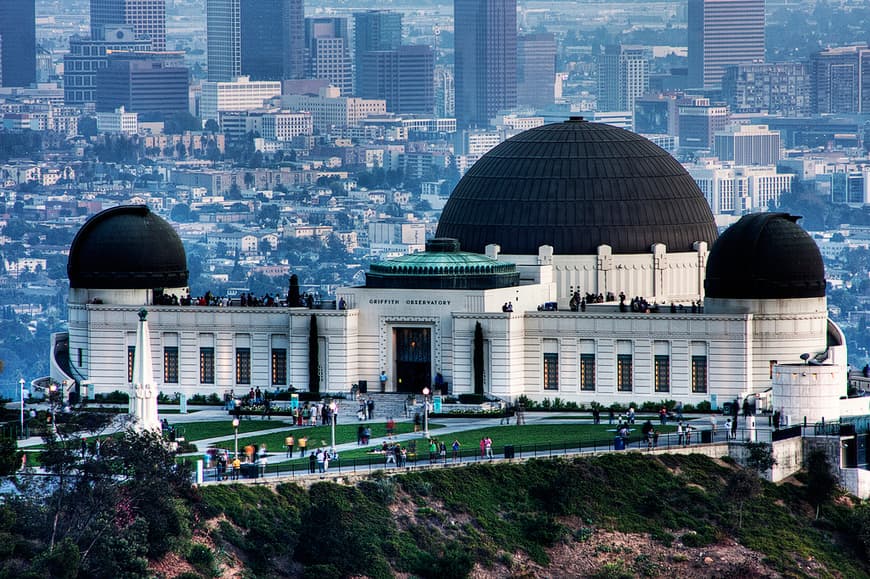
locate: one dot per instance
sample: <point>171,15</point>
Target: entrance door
<point>413,359</point>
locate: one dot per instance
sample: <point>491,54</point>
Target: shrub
<point>471,398</point>
<point>613,570</point>
<point>114,397</point>
<point>704,406</point>
<point>202,559</point>
<point>527,402</point>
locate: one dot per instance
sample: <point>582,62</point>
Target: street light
<point>332,409</point>
<point>426,412</point>
<point>236,435</point>
<point>52,399</point>
<point>21,392</point>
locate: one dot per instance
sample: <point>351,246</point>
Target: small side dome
<point>765,256</point>
<point>127,247</point>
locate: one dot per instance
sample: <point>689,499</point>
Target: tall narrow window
<point>587,372</point>
<point>623,372</point>
<point>699,374</point>
<point>551,371</point>
<point>243,365</point>
<point>131,355</point>
<point>279,366</point>
<point>663,373</point>
<point>206,365</point>
<point>170,364</point>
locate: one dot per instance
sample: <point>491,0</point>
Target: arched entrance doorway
<point>413,358</point>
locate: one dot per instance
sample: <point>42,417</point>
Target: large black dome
<point>127,247</point>
<point>577,185</point>
<point>765,256</point>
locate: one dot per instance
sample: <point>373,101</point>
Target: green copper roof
<point>442,266</point>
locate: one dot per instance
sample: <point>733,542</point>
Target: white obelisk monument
<point>143,398</point>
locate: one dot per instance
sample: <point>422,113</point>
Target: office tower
<point>776,88</point>
<point>748,145</point>
<point>86,56</point>
<point>840,80</point>
<point>623,76</point>
<point>699,121</point>
<point>445,105</point>
<point>261,39</point>
<point>154,83</point>
<point>327,42</point>
<point>656,115</point>
<point>536,69</point>
<point>223,40</point>
<point>272,39</point>
<point>723,32</point>
<point>374,30</point>
<point>403,77</point>
<point>18,32</point>
<point>147,17</point>
<point>485,69</point>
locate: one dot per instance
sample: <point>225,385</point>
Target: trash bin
<point>509,451</point>
<point>706,436</point>
<point>618,443</point>
<point>250,470</point>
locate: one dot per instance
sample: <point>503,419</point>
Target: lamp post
<point>52,399</point>
<point>332,409</point>
<point>236,436</point>
<point>426,412</point>
<point>21,393</point>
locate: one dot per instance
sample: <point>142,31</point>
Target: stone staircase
<point>390,404</point>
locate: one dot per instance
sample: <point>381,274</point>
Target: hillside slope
<point>617,515</point>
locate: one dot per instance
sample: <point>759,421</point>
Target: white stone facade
<point>602,354</point>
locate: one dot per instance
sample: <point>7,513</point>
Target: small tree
<point>742,487</point>
<point>478,359</point>
<point>821,483</point>
<point>313,356</point>
<point>760,458</point>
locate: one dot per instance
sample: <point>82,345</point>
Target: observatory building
<point>586,255</point>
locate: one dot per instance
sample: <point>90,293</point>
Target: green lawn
<point>319,436</point>
<point>194,431</point>
<point>557,435</point>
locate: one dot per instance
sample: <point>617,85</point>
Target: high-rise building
<point>699,121</point>
<point>623,76</point>
<point>147,17</point>
<point>374,30</point>
<point>732,189</point>
<point>223,40</point>
<point>776,88</point>
<point>261,39</point>
<point>144,83</point>
<point>748,145</point>
<point>657,115</point>
<point>403,77</point>
<point>328,43</point>
<point>536,69</point>
<point>840,80</point>
<point>485,59</point>
<point>18,33</point>
<point>445,105</point>
<point>272,39</point>
<point>723,32</point>
<point>86,56</point>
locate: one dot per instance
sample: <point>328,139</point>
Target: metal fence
<point>422,459</point>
